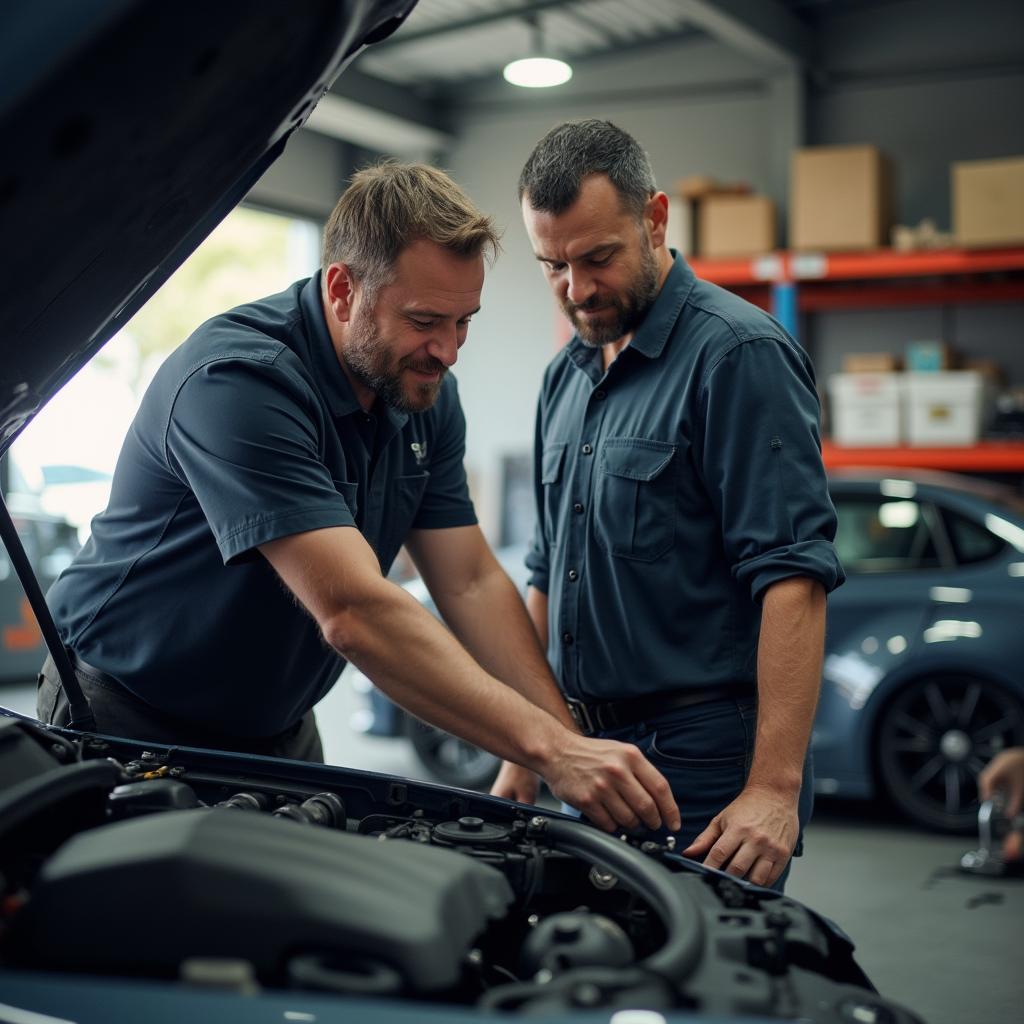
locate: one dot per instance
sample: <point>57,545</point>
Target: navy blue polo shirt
<point>672,491</point>
<point>249,432</point>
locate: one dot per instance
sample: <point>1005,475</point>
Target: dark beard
<point>369,361</point>
<point>629,310</point>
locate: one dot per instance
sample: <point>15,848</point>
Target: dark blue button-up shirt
<point>249,432</point>
<point>672,491</point>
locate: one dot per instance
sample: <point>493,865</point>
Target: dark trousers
<point>118,712</point>
<point>705,752</point>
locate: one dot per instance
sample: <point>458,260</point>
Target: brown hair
<point>387,206</point>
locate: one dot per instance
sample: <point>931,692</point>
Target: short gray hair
<point>389,205</point>
<point>553,174</point>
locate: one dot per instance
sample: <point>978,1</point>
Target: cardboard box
<point>735,226</point>
<point>839,199</point>
<point>946,408</point>
<point>867,409</point>
<point>870,362</point>
<point>988,202</point>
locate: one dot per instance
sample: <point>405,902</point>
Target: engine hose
<point>684,927</point>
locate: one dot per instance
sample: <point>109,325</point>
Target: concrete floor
<point>945,945</point>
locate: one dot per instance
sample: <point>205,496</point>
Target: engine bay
<point>254,874</point>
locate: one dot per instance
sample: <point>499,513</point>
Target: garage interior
<point>916,108</point>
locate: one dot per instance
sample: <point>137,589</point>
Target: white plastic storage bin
<point>945,408</point>
<point>866,409</point>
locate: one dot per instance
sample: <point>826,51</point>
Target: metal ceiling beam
<point>398,100</point>
<point>404,38</point>
<point>765,29</point>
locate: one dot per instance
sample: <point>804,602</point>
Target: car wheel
<point>935,737</point>
<point>451,760</point>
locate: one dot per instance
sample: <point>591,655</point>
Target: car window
<point>878,535</point>
<point>971,541</point>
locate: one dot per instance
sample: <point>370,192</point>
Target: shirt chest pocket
<point>634,498</point>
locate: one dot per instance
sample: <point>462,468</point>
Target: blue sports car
<point>922,682</point>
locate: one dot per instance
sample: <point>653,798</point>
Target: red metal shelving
<point>984,457</point>
<point>880,278</point>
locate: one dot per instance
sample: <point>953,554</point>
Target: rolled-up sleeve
<point>760,457</point>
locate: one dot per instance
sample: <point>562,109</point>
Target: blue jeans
<point>704,752</point>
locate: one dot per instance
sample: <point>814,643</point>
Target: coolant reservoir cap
<point>470,830</point>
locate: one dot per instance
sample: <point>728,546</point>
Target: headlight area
<point>159,865</point>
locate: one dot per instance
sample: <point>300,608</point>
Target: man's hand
<point>612,784</point>
<point>514,782</point>
<point>752,838</point>
<point>1006,772</point>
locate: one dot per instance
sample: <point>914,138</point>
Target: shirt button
<point>567,639</point>
<point>577,507</point>
<point>586,449</point>
<point>573,575</point>
<point>600,395</point>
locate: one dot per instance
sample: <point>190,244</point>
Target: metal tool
<point>993,828</point>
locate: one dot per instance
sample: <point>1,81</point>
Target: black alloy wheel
<point>451,760</point>
<point>934,739</point>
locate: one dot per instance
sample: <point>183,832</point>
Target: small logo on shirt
<point>419,449</point>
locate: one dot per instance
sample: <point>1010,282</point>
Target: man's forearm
<point>513,652</point>
<point>399,645</point>
<point>789,661</point>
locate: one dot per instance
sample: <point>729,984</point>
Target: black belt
<point>592,718</point>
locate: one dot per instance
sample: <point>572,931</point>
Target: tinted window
<point>882,535</point>
<point>971,541</point>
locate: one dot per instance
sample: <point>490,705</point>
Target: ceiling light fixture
<point>537,71</point>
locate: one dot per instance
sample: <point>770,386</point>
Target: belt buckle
<point>581,715</point>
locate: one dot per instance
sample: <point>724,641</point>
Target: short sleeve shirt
<point>672,491</point>
<point>249,432</point>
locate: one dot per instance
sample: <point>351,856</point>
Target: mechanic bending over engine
<point>280,458</point>
<point>684,546</point>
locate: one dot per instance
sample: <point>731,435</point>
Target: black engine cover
<point>145,894</point>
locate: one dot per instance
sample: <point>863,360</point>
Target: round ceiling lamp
<point>538,71</point>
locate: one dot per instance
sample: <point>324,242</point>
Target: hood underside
<point>130,129</point>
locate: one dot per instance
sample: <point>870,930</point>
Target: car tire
<point>451,760</point>
<point>933,739</point>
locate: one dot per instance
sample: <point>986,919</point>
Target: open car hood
<point>130,129</point>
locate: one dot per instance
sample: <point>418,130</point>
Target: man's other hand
<point>1006,772</point>
<point>752,838</point>
<point>514,782</point>
<point>612,784</point>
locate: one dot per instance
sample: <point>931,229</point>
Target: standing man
<point>278,462</point>
<point>684,545</point>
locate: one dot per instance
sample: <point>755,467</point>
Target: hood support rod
<point>81,714</point>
